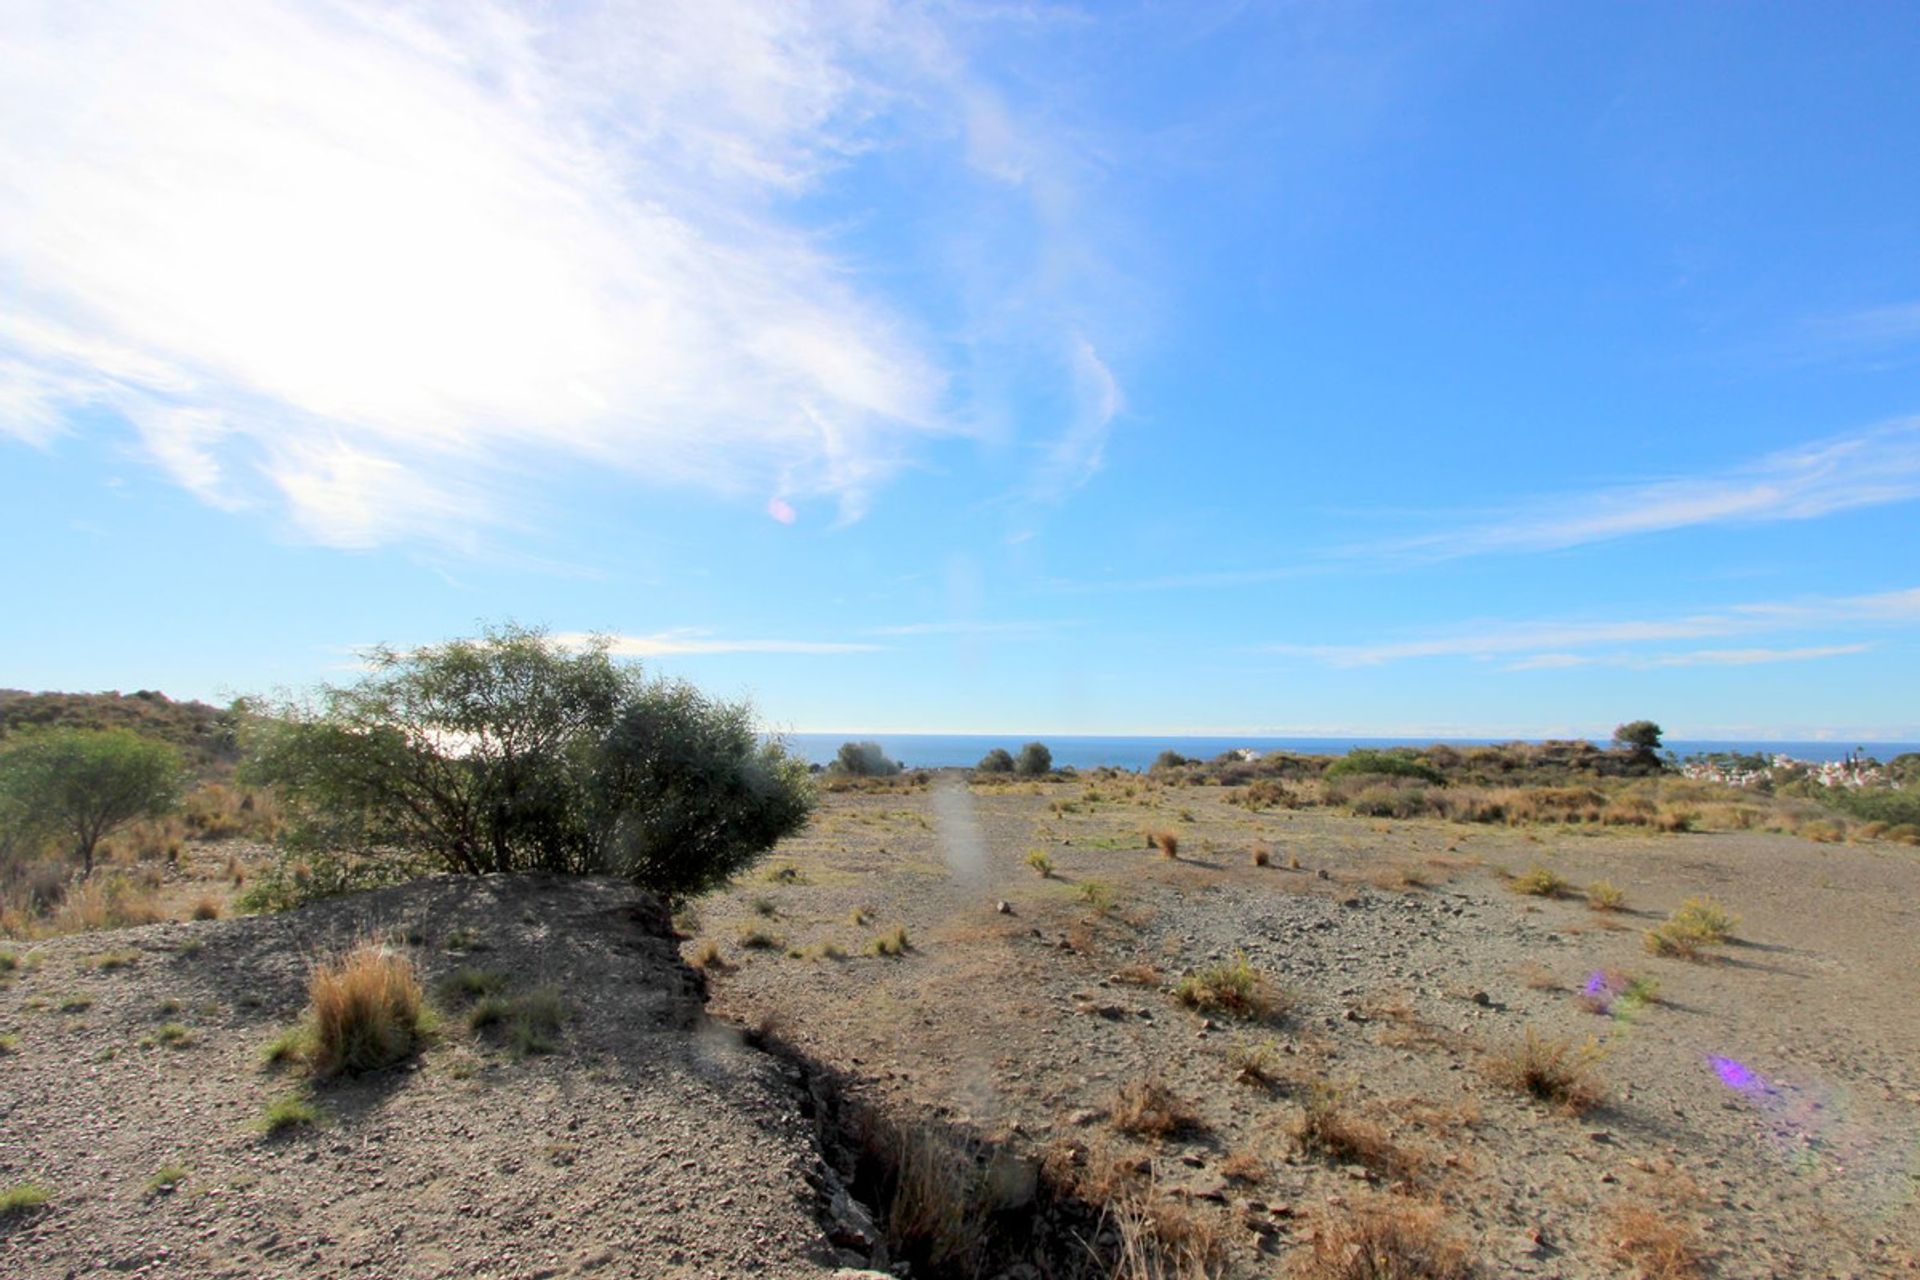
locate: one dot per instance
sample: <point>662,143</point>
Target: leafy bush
<point>1232,987</point>
<point>83,784</point>
<point>1391,764</point>
<point>511,753</point>
<point>1034,761</point>
<point>864,760</point>
<point>998,760</point>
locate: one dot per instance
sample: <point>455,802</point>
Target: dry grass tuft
<point>1327,1128</point>
<point>1232,987</point>
<point>1147,1108</point>
<point>1551,1070</point>
<point>1384,1239</point>
<point>367,1011</point>
<point>1654,1245</point>
<point>1255,1064</point>
<point>891,943</point>
<point>1040,862</point>
<point>1705,919</point>
<point>207,908</point>
<point>1604,895</point>
<point>1261,856</point>
<point>707,956</point>
<point>1168,842</point>
<point>1139,974</point>
<point>1161,1239</point>
<point>1538,881</point>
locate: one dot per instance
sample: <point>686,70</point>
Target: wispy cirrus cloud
<point>1691,658</point>
<point>1874,467</point>
<point>1864,469</point>
<point>388,269</point>
<point>1571,643</point>
<point>683,641</point>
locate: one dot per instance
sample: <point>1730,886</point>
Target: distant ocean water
<point>950,750</point>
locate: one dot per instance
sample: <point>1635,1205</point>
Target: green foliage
<point>511,753</point>
<point>1170,760</point>
<point>1035,760</point>
<point>1639,739</point>
<point>998,760</point>
<point>23,1197</point>
<point>83,784</point>
<point>1392,764</point>
<point>864,760</point>
<point>203,734</point>
<point>1893,806</point>
<point>286,1113</point>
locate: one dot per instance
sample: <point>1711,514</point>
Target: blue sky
<point>1484,369</point>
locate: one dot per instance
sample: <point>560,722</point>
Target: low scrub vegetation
<point>288,1113</point>
<point>1147,1108</point>
<point>1695,926</point>
<point>1539,882</point>
<point>1655,1244</point>
<point>893,942</point>
<point>1554,1071</point>
<point>365,1011</point>
<point>1232,987</point>
<point>526,1024</point>
<point>1328,1128</point>
<point>1383,1238</point>
<point>23,1197</point>
<point>1604,895</point>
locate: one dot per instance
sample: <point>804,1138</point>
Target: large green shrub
<point>511,753</point>
<point>1391,764</point>
<point>998,760</point>
<point>864,760</point>
<point>80,785</point>
<point>1034,760</point>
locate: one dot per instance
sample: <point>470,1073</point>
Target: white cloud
<point>690,641</point>
<point>1563,643</point>
<point>1692,658</point>
<point>1867,468</point>
<point>390,267</point>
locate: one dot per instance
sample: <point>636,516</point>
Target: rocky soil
<point>651,1142</point>
<point>1766,1107</point>
<point>1763,1110</point>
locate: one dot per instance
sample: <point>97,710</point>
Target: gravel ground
<point>651,1143</point>
<point>1768,1104</point>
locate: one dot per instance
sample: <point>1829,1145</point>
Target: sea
<point>963,750</point>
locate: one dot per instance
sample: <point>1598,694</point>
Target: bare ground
<point>1767,1106</point>
<point>1764,1108</point>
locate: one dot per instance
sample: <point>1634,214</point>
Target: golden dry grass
<point>1555,1071</point>
<point>1654,1244</point>
<point>1382,1238</point>
<point>366,1011</point>
<point>1146,1108</point>
<point>1329,1129</point>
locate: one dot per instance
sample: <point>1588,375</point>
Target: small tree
<point>864,760</point>
<point>84,784</point>
<point>1640,739</point>
<point>1170,759</point>
<point>1035,760</point>
<point>510,753</point>
<point>997,760</point>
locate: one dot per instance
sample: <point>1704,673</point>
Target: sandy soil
<point>647,1144</point>
<point>1768,1105</point>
